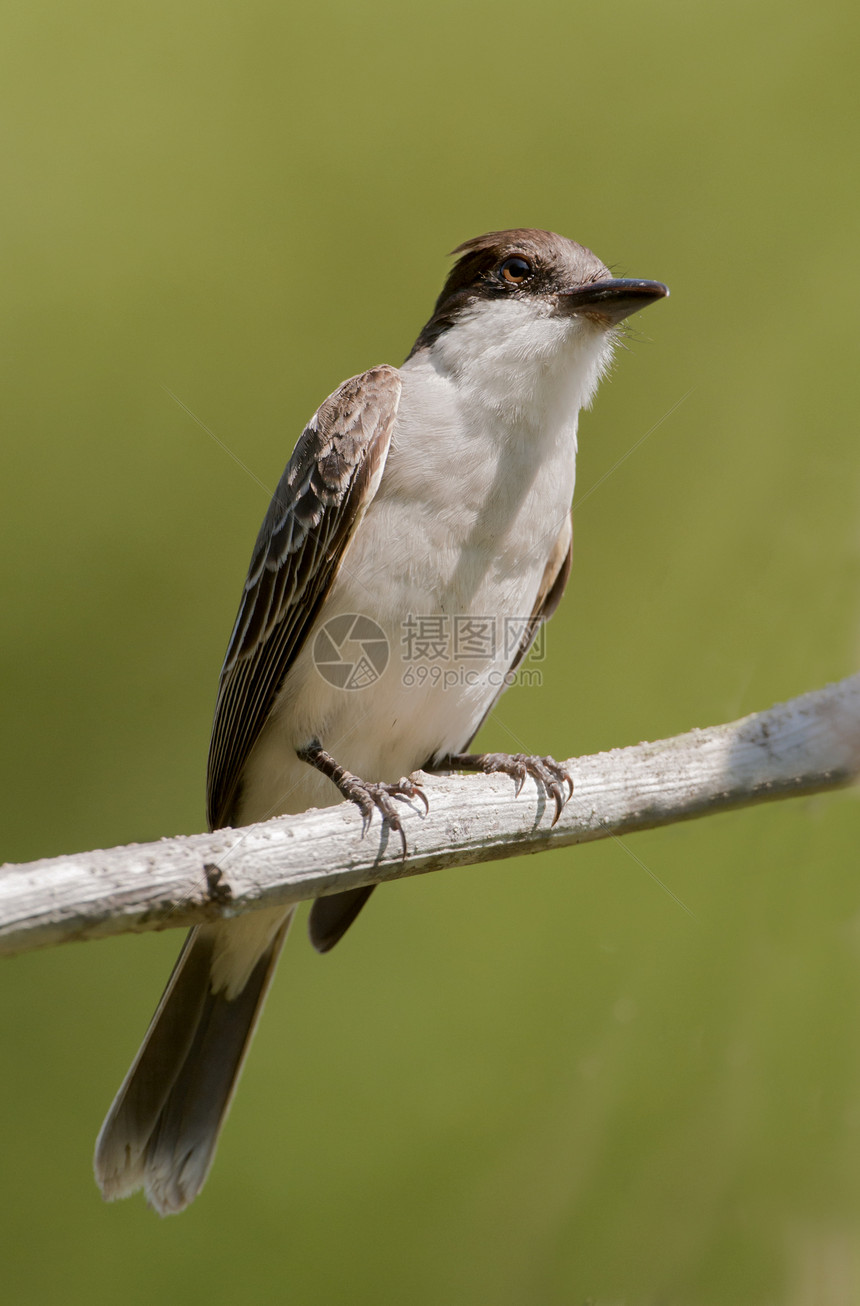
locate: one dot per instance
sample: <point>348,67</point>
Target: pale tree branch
<point>807,745</point>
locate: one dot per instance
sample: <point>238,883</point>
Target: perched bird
<point>418,538</point>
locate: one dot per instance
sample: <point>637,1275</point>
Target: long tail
<point>161,1131</point>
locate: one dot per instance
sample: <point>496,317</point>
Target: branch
<point>807,745</point>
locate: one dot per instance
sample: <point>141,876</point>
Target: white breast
<point>476,490</point>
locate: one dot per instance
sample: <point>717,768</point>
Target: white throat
<point>523,363</point>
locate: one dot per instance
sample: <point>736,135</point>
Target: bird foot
<point>368,795</point>
<point>545,770</point>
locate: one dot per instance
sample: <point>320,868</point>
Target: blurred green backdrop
<point>536,1082</point>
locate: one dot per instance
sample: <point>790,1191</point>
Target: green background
<point>540,1082</point>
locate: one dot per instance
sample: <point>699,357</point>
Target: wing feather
<point>552,586</point>
<point>320,500</point>
<point>549,594</point>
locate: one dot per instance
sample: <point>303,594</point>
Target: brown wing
<point>320,500</point>
<point>553,582</point>
<point>552,585</point>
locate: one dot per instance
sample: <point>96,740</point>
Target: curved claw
<point>558,794</point>
<point>553,776</point>
<point>392,820</point>
<point>407,788</point>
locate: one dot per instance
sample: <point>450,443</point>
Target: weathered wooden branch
<point>804,746</point>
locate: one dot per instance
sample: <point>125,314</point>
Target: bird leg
<point>367,795</point>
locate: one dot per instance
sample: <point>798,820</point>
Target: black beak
<point>615,299</point>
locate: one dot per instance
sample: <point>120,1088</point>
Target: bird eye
<point>514,271</point>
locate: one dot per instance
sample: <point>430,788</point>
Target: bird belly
<point>413,643</point>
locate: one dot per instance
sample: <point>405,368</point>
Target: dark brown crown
<point>558,265</point>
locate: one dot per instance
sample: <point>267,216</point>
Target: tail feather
<point>331,917</point>
<point>162,1129</point>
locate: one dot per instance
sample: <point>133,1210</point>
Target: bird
<point>423,522</point>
